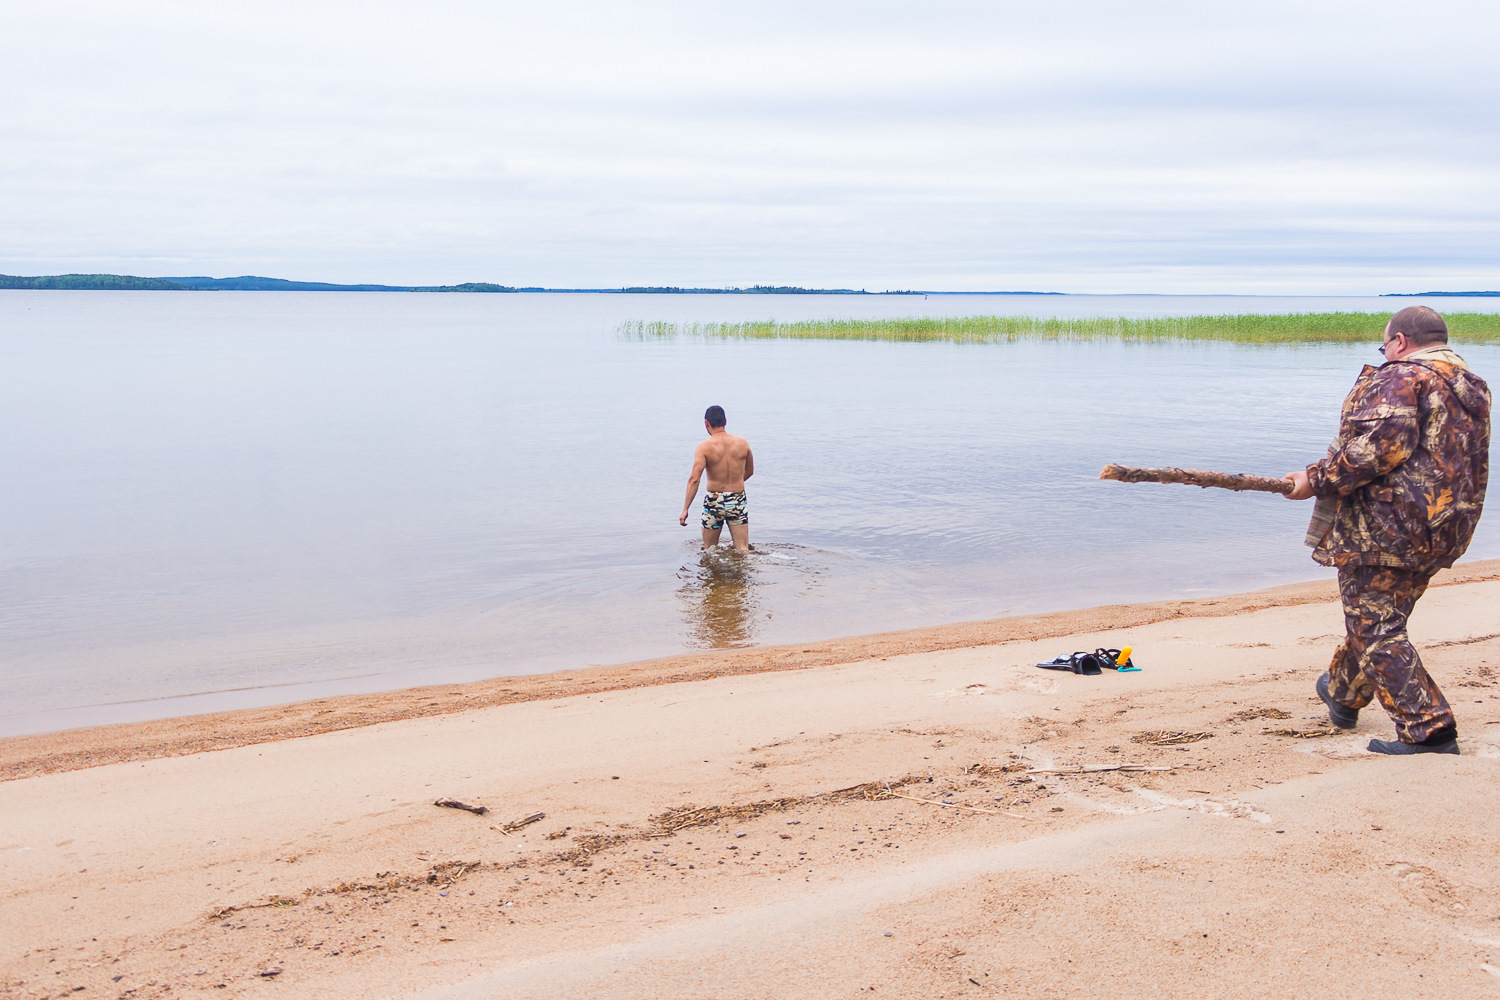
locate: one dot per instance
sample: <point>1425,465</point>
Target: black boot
<point>1445,740</point>
<point>1340,715</point>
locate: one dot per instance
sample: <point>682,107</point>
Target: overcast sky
<point>1087,147</point>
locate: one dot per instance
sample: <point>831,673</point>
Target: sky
<point>1263,148</point>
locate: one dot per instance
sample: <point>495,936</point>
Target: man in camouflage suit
<point>1398,498</point>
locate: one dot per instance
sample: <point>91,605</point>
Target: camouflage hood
<point>1468,389</point>
<point>1438,352</point>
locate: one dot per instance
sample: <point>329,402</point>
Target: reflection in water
<point>718,598</point>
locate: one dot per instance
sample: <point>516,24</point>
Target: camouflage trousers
<point>1377,659</point>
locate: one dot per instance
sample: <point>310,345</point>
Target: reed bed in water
<point>1296,328</point>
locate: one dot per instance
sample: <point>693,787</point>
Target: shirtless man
<point>729,463</point>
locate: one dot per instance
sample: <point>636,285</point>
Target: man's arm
<point>749,462</point>
<point>700,462</point>
<point>1380,432</point>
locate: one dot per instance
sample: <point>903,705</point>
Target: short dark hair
<point>1420,324</point>
<point>715,416</point>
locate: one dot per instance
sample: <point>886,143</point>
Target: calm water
<point>233,498</point>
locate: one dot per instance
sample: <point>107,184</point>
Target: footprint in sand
<point>1232,809</point>
<point>1034,682</point>
<point>960,692</point>
<point>1425,887</point>
<point>1481,748</point>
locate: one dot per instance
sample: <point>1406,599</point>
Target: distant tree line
<point>256,283</point>
<point>127,282</point>
<point>472,286</point>
<point>752,290</point>
<point>243,283</point>
<point>1465,295</point>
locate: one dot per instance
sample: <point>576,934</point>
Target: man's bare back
<point>729,462</point>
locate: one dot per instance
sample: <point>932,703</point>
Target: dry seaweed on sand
<point>1169,737</point>
<point>960,805</point>
<point>1301,734</point>
<point>688,817</point>
<point>448,872</point>
<point>441,875</point>
<point>1101,768</point>
<point>273,902</point>
<point>390,881</point>
<point>986,770</point>
<point>1247,714</point>
<point>872,791</point>
<point>587,845</point>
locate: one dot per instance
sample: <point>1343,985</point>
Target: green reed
<point>1295,328</point>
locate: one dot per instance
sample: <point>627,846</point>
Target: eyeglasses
<point>1383,346</point>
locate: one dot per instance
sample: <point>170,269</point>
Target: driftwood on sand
<point>524,821</point>
<point>1197,477</point>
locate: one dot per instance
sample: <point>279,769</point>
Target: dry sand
<point>896,814</point>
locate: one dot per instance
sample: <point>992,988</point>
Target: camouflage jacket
<point>1404,480</point>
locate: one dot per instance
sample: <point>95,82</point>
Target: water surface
<point>220,499</point>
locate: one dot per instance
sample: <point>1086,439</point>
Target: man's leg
<point>1347,685</point>
<point>1378,656</point>
<point>737,513</point>
<point>713,519</point>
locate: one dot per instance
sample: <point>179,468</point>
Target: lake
<point>225,499</point>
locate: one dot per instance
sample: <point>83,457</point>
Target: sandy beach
<point>920,813</point>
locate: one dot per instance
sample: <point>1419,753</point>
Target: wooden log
<point>455,804</point>
<point>1197,477</point>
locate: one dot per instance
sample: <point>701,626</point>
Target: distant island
<point>1464,295</point>
<point>244,283</point>
<point>108,282</point>
<point>255,283</point>
<point>752,290</point>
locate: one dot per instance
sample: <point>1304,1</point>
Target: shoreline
<point>36,754</point>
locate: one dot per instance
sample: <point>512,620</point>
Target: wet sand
<point>918,814</point>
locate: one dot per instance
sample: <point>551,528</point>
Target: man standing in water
<point>1398,498</point>
<point>729,463</point>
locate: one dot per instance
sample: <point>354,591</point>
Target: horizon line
<point>101,281</point>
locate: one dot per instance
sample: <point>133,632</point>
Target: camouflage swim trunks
<point>721,507</point>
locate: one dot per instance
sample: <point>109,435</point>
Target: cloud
<point>1084,146</point>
